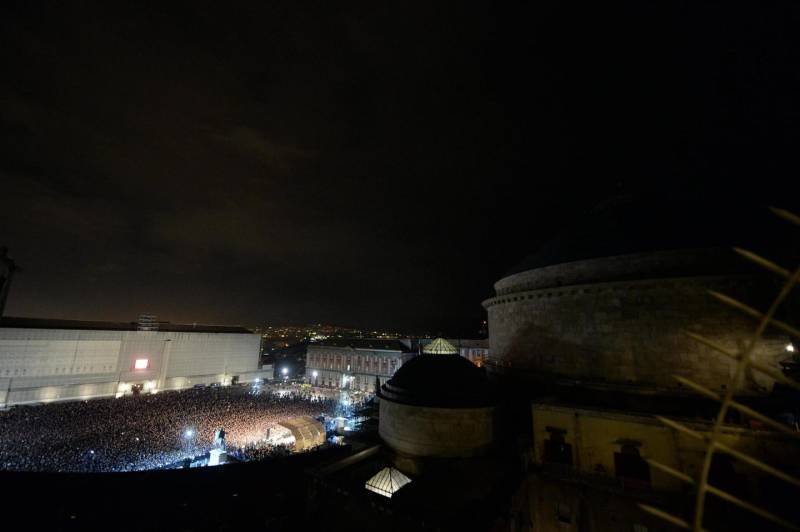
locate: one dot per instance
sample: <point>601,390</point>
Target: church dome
<point>627,227</point>
<point>437,406</point>
<point>438,380</point>
<point>607,304</point>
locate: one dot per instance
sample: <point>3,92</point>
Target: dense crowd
<point>144,432</point>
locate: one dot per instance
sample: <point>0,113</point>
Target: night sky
<point>362,164</point>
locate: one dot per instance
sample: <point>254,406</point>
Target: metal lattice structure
<point>744,363</point>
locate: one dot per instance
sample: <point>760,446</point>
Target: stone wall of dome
<point>621,322</point>
<point>628,267</point>
<point>430,432</point>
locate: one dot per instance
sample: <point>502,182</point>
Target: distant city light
<point>790,348</point>
<point>141,363</point>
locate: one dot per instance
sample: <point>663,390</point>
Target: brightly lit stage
<point>301,432</point>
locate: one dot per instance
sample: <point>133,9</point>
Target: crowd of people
<point>144,432</point>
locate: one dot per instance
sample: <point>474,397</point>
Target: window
<point>631,468</point>
<point>556,449</point>
<point>564,513</point>
<point>723,475</point>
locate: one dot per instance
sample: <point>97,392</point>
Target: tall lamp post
<point>7,269</point>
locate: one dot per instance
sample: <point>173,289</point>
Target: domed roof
<point>440,346</point>
<point>640,226</point>
<point>438,380</point>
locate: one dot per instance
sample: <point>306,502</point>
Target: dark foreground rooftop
<point>460,494</point>
<point>267,495</point>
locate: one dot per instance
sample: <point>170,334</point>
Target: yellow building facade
<point>591,468</point>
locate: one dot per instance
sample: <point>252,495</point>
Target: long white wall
<point>41,365</point>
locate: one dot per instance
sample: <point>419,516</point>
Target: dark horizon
<point>362,167</point>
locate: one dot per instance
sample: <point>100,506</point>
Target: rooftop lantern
<point>440,346</point>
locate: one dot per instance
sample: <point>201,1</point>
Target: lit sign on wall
<point>141,363</point>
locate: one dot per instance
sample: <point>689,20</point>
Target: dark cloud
<point>356,164</point>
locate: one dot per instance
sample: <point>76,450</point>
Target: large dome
<point>609,301</point>
<point>438,380</point>
<point>627,227</point>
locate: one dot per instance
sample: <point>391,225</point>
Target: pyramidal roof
<point>440,346</point>
<point>387,482</point>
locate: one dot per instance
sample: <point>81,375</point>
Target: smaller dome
<point>438,380</point>
<point>440,346</point>
<point>437,406</point>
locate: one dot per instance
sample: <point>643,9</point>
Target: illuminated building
<point>57,360</point>
<point>355,364</point>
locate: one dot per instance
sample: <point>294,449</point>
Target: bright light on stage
<point>141,363</point>
<point>216,457</point>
